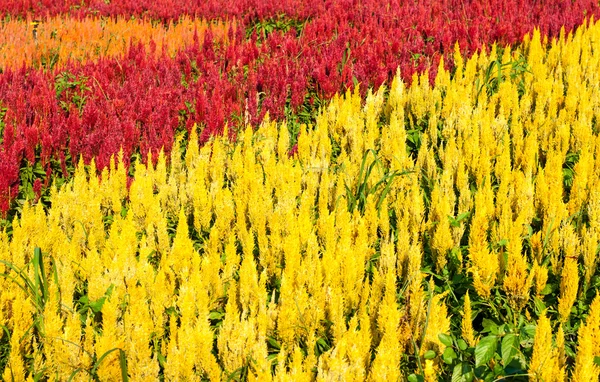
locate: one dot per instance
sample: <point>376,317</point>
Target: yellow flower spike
<point>466,323</point>
<point>438,323</point>
<point>593,322</point>
<point>588,252</point>
<point>250,294</point>
<point>544,363</point>
<point>569,285</point>
<point>182,251</point>
<point>261,219</point>
<point>540,273</point>
<point>484,264</point>
<point>442,240</point>
<point>585,368</point>
<point>518,279</point>
<point>560,348</point>
<point>431,374</point>
<point>387,359</point>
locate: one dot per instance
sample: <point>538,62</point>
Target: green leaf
<point>322,344</point>
<point>539,305</point>
<point>510,344</point>
<point>597,361</point>
<point>547,289</point>
<point>502,243</point>
<point>99,361</point>
<point>485,349</point>
<point>456,222</point>
<point>123,364</point>
<point>445,339</point>
<point>462,373</point>
<point>415,378</point>
<point>462,344</point>
<point>449,356</point>
<point>489,326</point>
<point>215,315</point>
<point>569,351</point>
<point>74,373</point>
<point>429,354</point>
<point>529,330</point>
<point>162,360</point>
<point>97,305</point>
<point>273,342</point>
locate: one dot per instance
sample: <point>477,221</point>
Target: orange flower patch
<point>54,41</point>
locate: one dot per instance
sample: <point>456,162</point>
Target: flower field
<point>272,191</point>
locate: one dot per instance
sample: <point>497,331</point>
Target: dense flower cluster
<point>236,259</point>
<point>282,58</point>
<point>505,13</point>
<point>53,42</point>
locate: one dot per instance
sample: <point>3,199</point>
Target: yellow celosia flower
<point>517,281</point>
<point>467,323</point>
<point>484,263</point>
<point>540,273</point>
<point>544,364</point>
<point>194,244</point>
<point>569,284</point>
<point>442,241</point>
<point>431,375</point>
<point>585,369</point>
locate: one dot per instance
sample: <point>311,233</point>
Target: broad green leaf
<point>462,344</point>
<point>547,290</point>
<point>449,356</point>
<point>429,354</point>
<point>485,349</point>
<point>462,373</point>
<point>489,326</point>
<point>510,344</point>
<point>97,305</point>
<point>457,374</point>
<point>529,330</point>
<point>445,339</point>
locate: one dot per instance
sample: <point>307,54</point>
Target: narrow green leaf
<point>74,373</point>
<point>97,364</point>
<point>162,360</point>
<point>123,364</point>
